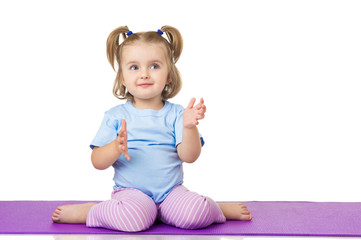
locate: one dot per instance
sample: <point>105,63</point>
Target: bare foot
<point>75,213</point>
<point>235,211</point>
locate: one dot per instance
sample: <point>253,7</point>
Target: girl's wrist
<point>116,148</point>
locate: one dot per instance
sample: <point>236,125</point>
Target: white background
<point>281,81</point>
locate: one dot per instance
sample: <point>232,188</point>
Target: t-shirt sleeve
<point>107,132</point>
<point>179,126</point>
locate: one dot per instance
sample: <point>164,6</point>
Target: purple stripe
<point>102,216</point>
<point>89,219</point>
<point>186,209</point>
<point>142,219</point>
<point>96,214</point>
<point>129,210</point>
<point>190,199</point>
<point>176,208</point>
<point>188,224</point>
<point>113,209</point>
<point>170,203</point>
<point>111,217</point>
<point>129,215</point>
<point>203,216</point>
<point>121,218</point>
<point>145,209</point>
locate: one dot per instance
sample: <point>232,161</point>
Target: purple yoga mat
<point>269,219</point>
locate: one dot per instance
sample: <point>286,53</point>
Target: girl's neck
<point>156,104</point>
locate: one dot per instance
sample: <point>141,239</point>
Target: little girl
<point>146,140</point>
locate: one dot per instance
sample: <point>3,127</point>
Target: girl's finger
<point>204,108</point>
<point>200,116</point>
<point>200,105</point>
<point>124,125</point>
<point>126,155</point>
<point>191,103</point>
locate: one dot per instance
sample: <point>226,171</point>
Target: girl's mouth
<point>144,85</point>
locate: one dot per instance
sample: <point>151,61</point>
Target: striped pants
<point>131,210</point>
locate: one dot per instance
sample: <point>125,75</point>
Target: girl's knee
<point>206,213</point>
<point>136,216</point>
<point>128,214</point>
<point>199,216</point>
<point>198,212</point>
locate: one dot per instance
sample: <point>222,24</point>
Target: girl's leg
<point>75,213</point>
<point>129,210</point>
<point>189,210</point>
<point>235,211</point>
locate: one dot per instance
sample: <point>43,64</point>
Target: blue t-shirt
<point>155,167</point>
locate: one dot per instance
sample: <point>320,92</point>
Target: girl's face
<point>145,70</point>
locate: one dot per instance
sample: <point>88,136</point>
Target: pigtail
<point>113,44</point>
<point>175,40</point>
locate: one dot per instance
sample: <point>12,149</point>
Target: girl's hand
<point>122,140</point>
<point>192,113</point>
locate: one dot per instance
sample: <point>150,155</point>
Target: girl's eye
<point>133,68</point>
<point>154,66</point>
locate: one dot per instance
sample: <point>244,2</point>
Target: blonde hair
<point>173,46</point>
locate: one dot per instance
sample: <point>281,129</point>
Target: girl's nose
<point>144,74</point>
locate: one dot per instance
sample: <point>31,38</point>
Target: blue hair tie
<point>160,32</point>
<point>129,33</point>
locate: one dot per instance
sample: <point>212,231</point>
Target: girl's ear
<point>122,81</point>
<point>169,80</point>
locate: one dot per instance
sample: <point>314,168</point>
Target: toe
<point>246,217</point>
<point>56,214</point>
<point>242,205</point>
<point>246,212</point>
<point>60,208</point>
<point>55,218</point>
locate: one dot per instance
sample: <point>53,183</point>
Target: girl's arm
<point>104,157</point>
<point>190,147</point>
